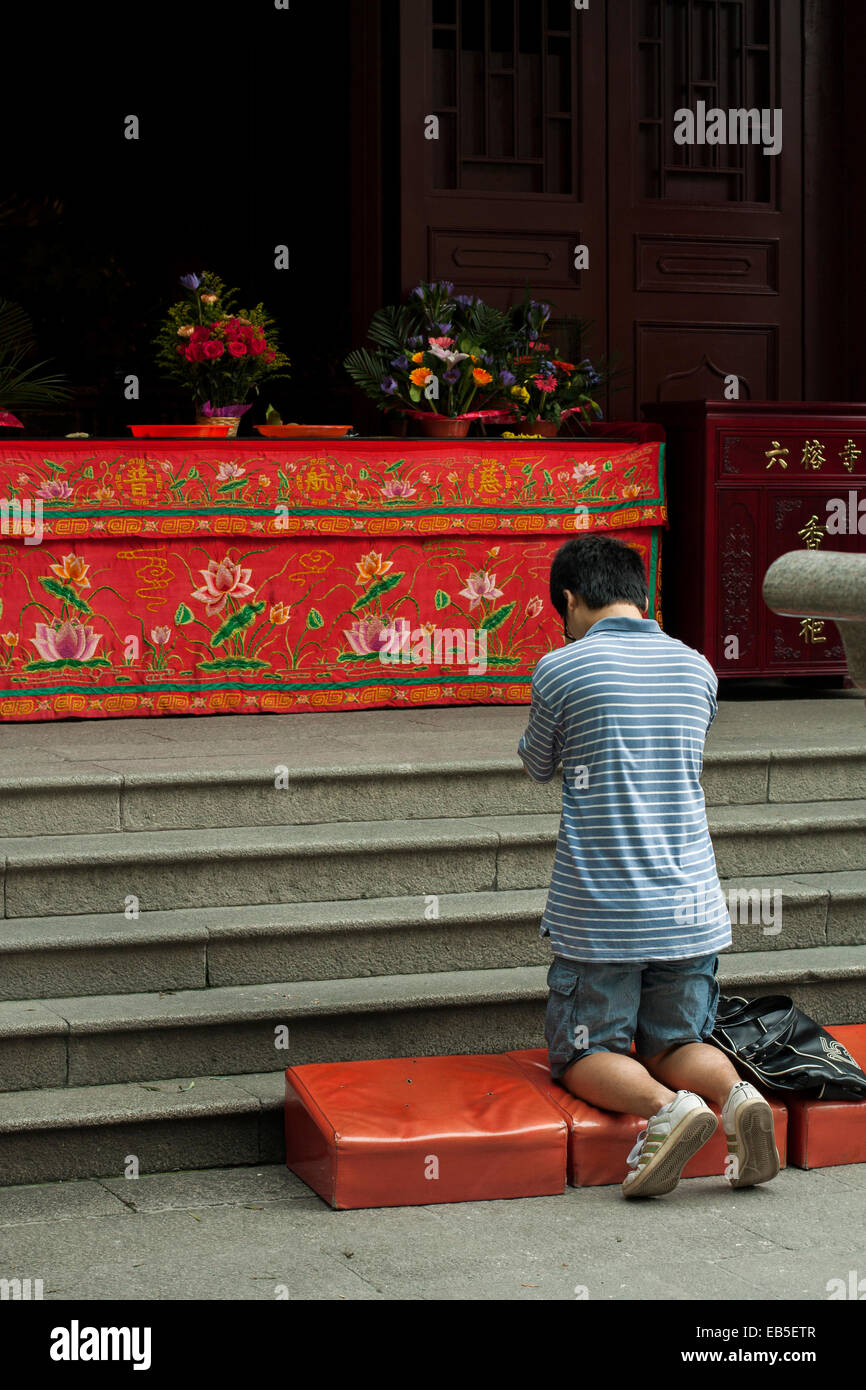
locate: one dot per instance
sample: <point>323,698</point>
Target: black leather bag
<point>785,1050</point>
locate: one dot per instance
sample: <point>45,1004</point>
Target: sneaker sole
<point>662,1173</point>
<point>756,1144</point>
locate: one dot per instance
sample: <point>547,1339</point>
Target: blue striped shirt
<point>626,709</point>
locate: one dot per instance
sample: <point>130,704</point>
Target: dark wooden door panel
<point>516,180</point>
<point>706,260</point>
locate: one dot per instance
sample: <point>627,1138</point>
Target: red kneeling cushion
<point>412,1131</point>
<point>601,1140</point>
<point>825,1133</point>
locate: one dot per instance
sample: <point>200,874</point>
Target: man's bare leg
<point>697,1067</point>
<point>614,1081</point>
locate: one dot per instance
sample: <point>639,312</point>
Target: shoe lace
<point>634,1156</point>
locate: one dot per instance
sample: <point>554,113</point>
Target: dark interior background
<point>245,115</point>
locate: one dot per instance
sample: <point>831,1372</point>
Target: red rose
<point>200,332</point>
<point>213,349</point>
<point>195,352</point>
<point>256,346</point>
<point>237,348</point>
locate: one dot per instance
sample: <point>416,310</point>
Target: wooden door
<point>706,239</point>
<point>515,181</point>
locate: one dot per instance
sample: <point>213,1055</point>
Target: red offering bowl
<point>304,431</point>
<point>218,430</point>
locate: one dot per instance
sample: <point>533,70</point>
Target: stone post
<point>824,584</point>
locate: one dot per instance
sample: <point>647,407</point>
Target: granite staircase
<point>177,930</point>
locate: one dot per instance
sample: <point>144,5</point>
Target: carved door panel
<point>514,179</point>
<point>738,596</point>
<point>706,246</point>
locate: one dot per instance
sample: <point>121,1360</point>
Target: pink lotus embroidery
<point>369,636</point>
<point>534,607</point>
<point>221,578</point>
<point>480,586</point>
<point>71,641</point>
<point>160,635</point>
<point>54,491</point>
<point>584,471</point>
<point>397,488</point>
<point>227,472</point>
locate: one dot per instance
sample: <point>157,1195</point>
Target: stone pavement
<point>260,1233</point>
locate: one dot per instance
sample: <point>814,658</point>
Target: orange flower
<point>104,494</point>
<point>371,567</point>
<point>417,357</point>
<point>420,376</point>
<point>280,613</point>
<point>11,639</point>
<point>72,571</point>
<point>483,378</point>
<point>352,495</point>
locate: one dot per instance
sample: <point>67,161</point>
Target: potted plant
<point>218,352</point>
<point>438,359</point>
<point>19,388</point>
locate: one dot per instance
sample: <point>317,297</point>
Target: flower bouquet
<point>438,359</point>
<point>547,389</point>
<point>218,352</point>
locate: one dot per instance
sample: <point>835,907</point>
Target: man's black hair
<point>600,570</point>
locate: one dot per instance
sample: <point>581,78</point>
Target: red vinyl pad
<point>411,1131</point>
<point>601,1140</point>
<point>825,1133</point>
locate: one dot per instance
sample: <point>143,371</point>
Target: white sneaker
<point>747,1120</point>
<point>664,1148</point>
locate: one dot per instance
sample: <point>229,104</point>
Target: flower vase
<point>445,426</point>
<point>226,415</point>
<point>547,428</point>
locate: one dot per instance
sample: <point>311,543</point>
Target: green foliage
<point>19,387</point>
<point>236,623</point>
<point>66,593</point>
<point>497,617</point>
<point>382,586</point>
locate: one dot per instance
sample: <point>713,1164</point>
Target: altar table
<point>144,577</point>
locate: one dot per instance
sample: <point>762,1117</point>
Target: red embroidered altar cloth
<point>216,576</point>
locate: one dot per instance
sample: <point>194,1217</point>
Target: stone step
<point>194,948</point>
<point>163,870</point>
<point>186,794</point>
<point>231,1030</point>
<point>200,1120</point>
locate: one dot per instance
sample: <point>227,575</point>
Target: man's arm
<point>541,745</point>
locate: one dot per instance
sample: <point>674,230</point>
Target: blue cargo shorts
<point>604,1006</point>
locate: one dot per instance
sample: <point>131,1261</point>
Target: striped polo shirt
<point>626,709</point>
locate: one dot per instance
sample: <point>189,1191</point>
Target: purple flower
<point>388,385</point>
<point>452,376</point>
<point>507,378</point>
<point>487,359</point>
<point>444,328</point>
<point>190,282</point>
<point>416,341</point>
<point>446,285</point>
<point>466,300</point>
<point>401,363</point>
<point>419,291</point>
